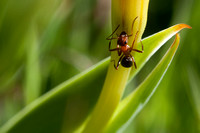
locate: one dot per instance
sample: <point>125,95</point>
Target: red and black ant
<point>123,48</point>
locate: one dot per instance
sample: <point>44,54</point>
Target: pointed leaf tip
<point>181,26</point>
<point>158,40</point>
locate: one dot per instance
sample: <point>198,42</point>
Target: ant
<point>126,58</point>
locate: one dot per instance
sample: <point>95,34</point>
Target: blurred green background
<point>43,43</point>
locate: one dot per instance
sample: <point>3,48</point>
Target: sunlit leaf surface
<point>56,105</point>
<point>133,103</point>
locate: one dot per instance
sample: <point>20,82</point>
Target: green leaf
<point>47,113</point>
<point>133,103</point>
<point>33,78</point>
<point>153,43</point>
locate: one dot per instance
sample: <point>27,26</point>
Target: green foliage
<point>47,54</point>
<point>76,87</point>
<point>134,103</point>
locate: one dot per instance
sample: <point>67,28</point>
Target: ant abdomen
<point>127,62</point>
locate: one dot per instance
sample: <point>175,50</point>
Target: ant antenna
<point>108,38</point>
<point>132,27</point>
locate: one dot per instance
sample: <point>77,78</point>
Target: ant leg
<point>134,62</point>
<point>115,49</point>
<point>119,52</point>
<point>134,39</point>
<point>116,67</point>
<point>139,51</point>
<point>132,27</point>
<point>108,38</point>
<point>142,46</point>
<point>111,38</point>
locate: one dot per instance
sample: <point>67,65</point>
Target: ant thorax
<point>122,39</point>
<point>125,49</point>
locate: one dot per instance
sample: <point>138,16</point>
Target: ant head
<point>123,39</point>
<point>127,62</point>
<point>123,34</point>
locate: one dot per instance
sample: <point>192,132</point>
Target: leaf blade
<point>60,93</point>
<point>132,104</point>
<point>153,43</point>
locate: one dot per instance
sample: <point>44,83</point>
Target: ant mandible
<point>126,58</point>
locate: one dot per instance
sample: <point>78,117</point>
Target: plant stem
<point>123,14</point>
<point>109,99</point>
